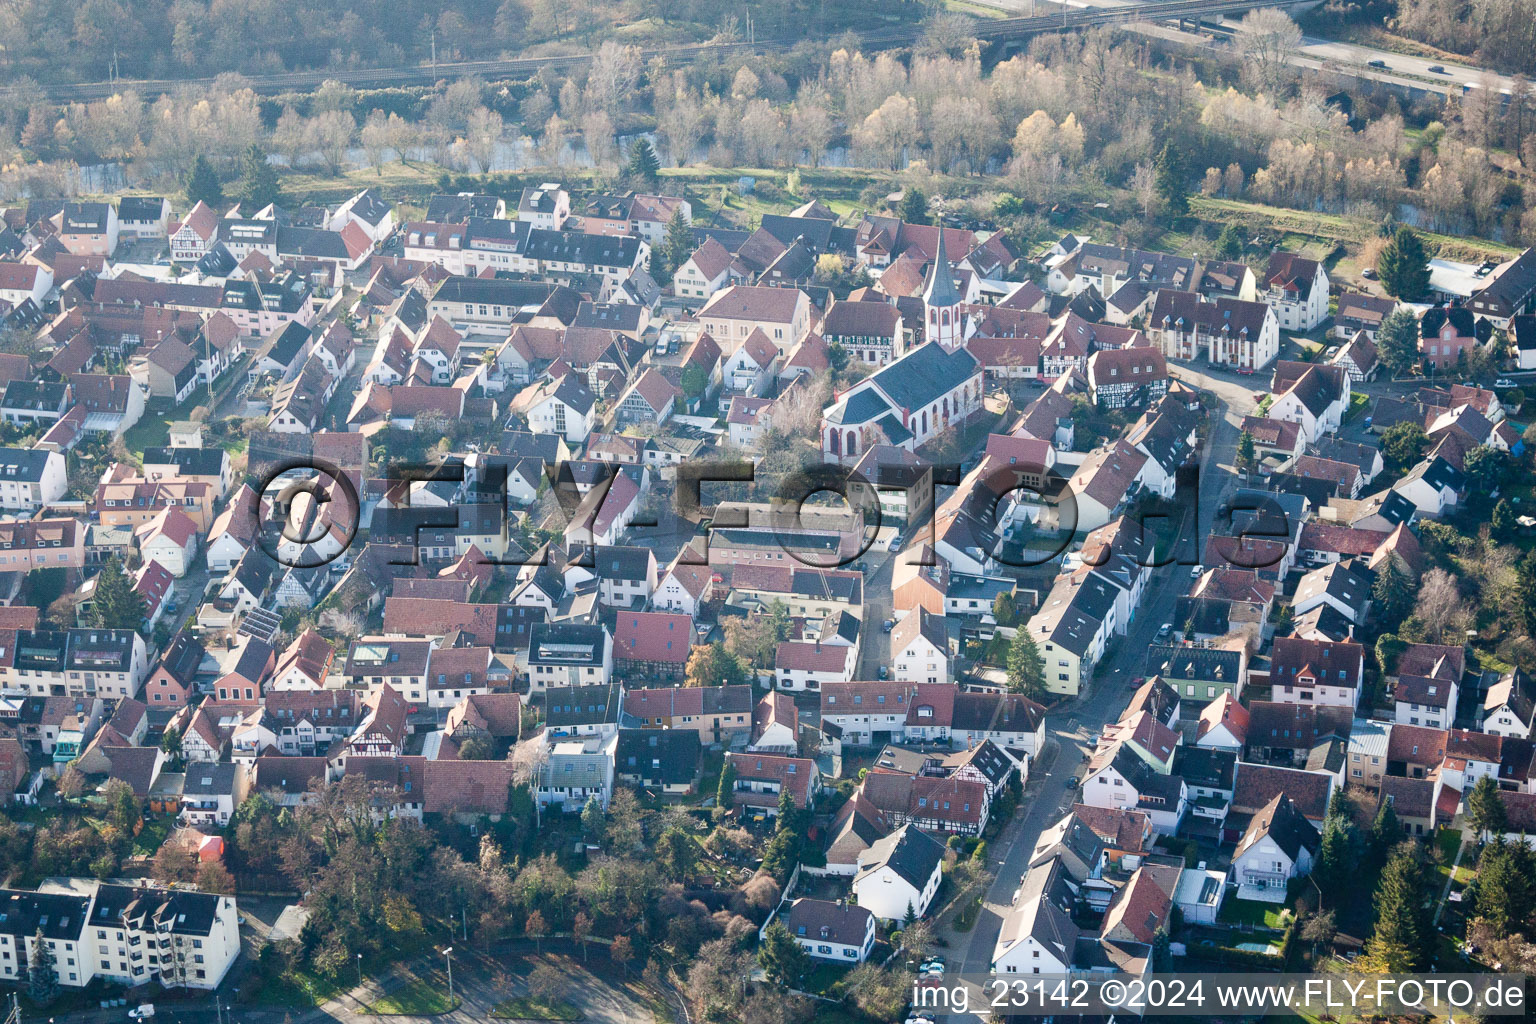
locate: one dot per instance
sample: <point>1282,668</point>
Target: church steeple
<point>942,301</point>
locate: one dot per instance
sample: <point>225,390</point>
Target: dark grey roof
<point>581,705</point>
<point>909,851</point>
<point>566,643</point>
<point>578,247</point>
<point>140,208</point>
<point>204,779</point>
<point>190,461</point>
<point>57,915</point>
<point>1176,662</point>
<point>499,291</point>
<point>658,757</point>
<point>455,208</point>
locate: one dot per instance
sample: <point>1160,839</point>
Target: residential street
<point>1073,727</point>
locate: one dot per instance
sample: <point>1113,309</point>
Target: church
<point>914,399</point>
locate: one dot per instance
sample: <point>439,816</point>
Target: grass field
<point>418,999</point>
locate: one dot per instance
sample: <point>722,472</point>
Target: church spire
<point>940,289</point>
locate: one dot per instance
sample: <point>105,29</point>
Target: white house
<point>1129,783</point>
<point>96,930</point>
<point>920,648</point>
<point>899,874</point>
<point>801,665</point>
<point>31,478</point>
<point>827,930</point>
<point>562,407</point>
<point>1297,289</point>
<point>1279,845</point>
<point>1509,707</point>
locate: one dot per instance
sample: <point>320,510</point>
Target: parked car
<point>887,625</point>
<point>885,672</point>
<point>1505,382</point>
<point>1073,782</point>
<point>1369,273</point>
<point>1165,632</point>
<point>142,1012</point>
<point>895,542</point>
<point>1195,572</point>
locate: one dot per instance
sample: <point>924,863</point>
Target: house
<point>42,544</point>
<point>1038,934</point>
<point>827,930</point>
<point>200,932</point>
<point>1126,781</point>
<point>1343,586</point>
<point>585,710</point>
<point>212,792</point>
<point>920,648</point>
<point>650,400</point>
<point>1199,674</point>
<point>1359,313</point>
<point>170,539</point>
<point>934,803</point>
<point>706,271</point>
<point>800,665</point>
<point>868,714</point>
<point>715,712</point>
<point>1432,487</point>
<point>775,725</point>
<point>578,769</point>
<point>1509,706</point>
<point>1121,378</point>
<point>88,229</point>
<point>1508,291</point>
<point>563,407</point>
<point>31,478</point>
<point>1415,802</point>
<point>1227,332</point>
<point>143,218</point>
<point>1316,672</point>
<point>870,332</point>
<point>1313,396</point>
<point>1447,336</point>
<point>667,760</point>
<point>1297,289</point>
<point>1425,700</point>
<point>652,645</point>
<point>781,314</point>
<point>761,778</point>
<point>171,683</point>
<point>899,874</point>
<point>195,235</point>
<point>1278,845</point>
<point>1223,724</point>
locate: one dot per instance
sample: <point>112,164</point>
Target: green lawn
<point>529,1008</point>
<point>418,999</point>
<point>1359,401</point>
<point>152,835</point>
<point>1252,912</point>
<point>1449,841</point>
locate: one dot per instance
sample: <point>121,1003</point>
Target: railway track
<point>366,78</point>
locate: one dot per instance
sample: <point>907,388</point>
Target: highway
<point>373,78</point>
<point>1315,53</point>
